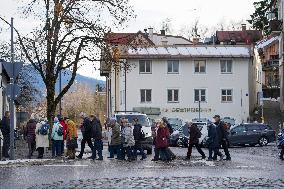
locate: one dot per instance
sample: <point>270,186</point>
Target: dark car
<point>252,134</point>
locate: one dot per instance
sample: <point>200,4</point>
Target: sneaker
<point>228,159</point>
<point>79,157</point>
<point>209,159</point>
<point>100,159</point>
<point>203,157</point>
<point>110,157</point>
<point>143,158</point>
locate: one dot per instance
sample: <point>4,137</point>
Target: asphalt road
<point>259,165</point>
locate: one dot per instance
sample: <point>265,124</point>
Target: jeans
<point>114,149</point>
<point>198,147</point>
<point>282,153</point>
<point>216,152</point>
<point>98,148</point>
<point>83,143</point>
<point>62,147</point>
<point>157,153</point>
<point>56,148</point>
<point>129,151</point>
<point>140,149</point>
<point>224,145</point>
<point>6,147</point>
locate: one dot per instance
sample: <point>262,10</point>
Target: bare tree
<point>194,30</point>
<point>71,32</point>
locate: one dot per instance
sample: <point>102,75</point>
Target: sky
<point>151,13</point>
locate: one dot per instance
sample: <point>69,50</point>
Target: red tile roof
<point>120,38</point>
<point>247,36</point>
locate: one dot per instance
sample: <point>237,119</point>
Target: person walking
<point>5,129</point>
<point>194,136</point>
<point>162,142</point>
<point>57,137</point>
<point>115,142</point>
<point>71,139</point>
<point>213,143</point>
<point>123,124</point>
<point>30,136</point>
<point>86,130</point>
<point>138,137</point>
<point>129,141</point>
<point>97,135</point>
<point>42,142</point>
<point>223,133</point>
<point>64,126</point>
<point>168,125</point>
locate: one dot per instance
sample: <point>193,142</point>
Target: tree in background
<point>259,18</point>
<point>81,98</point>
<point>70,32</point>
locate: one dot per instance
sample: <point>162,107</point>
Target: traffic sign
<point>13,73</point>
<point>9,91</point>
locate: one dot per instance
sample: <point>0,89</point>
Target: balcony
<point>270,65</point>
<point>275,25</point>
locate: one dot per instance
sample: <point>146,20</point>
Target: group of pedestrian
<point>217,138</point>
<point>125,139</point>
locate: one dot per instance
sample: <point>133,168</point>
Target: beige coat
<point>41,140</point>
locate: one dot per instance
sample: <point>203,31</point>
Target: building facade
<point>173,81</point>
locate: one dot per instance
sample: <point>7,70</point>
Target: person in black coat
<point>222,136</point>
<point>5,129</point>
<point>194,136</point>
<point>86,129</point>
<point>168,150</point>
<point>138,137</point>
<point>97,135</point>
<point>213,143</point>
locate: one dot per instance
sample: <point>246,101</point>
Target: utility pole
<point>199,110</point>
<point>12,108</point>
<point>60,88</point>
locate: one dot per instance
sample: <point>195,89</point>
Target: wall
<point>213,81</point>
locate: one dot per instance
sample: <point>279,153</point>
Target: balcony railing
<point>270,64</point>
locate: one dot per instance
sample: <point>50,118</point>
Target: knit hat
<point>112,121</point>
<point>56,119</point>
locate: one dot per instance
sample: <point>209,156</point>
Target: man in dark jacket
<point>213,143</point>
<point>138,137</point>
<point>97,135</point>
<point>5,129</point>
<point>30,136</point>
<point>86,129</point>
<point>194,134</point>
<point>168,150</point>
<point>222,136</point>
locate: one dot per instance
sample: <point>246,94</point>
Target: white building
<point>171,80</point>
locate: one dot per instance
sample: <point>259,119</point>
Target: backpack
<point>44,129</point>
<point>60,131</point>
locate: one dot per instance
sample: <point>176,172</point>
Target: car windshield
<point>175,123</point>
<point>232,121</point>
<point>141,118</point>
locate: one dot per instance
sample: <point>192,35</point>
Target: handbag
<point>72,143</point>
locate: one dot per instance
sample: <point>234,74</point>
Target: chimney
<point>163,32</point>
<point>151,32</point>
<point>244,27</point>
<point>195,40</point>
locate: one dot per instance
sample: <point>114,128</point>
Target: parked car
<point>202,125</point>
<point>146,127</point>
<point>252,134</point>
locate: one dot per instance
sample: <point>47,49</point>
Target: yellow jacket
<point>71,130</point>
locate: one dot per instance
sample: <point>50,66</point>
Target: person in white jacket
<point>129,141</point>
<point>42,141</point>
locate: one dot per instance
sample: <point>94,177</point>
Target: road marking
<point>65,165</point>
<point>245,166</point>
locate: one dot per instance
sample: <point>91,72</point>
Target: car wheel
<point>149,152</point>
<point>252,145</point>
<point>263,141</point>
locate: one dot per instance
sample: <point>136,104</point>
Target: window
<point>145,66</point>
<point>200,66</point>
<point>239,129</point>
<point>173,95</point>
<point>227,95</point>
<point>146,95</point>
<point>253,127</point>
<point>226,66</point>
<point>200,95</point>
<point>122,97</point>
<point>173,66</point>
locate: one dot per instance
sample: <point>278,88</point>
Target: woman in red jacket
<point>161,142</point>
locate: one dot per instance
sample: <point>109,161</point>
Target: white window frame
<point>232,96</point>
<point>199,89</point>
<point>172,66</point>
<point>145,93</point>
<point>145,62</point>
<point>198,61</point>
<point>173,94</point>
<point>226,64</point>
